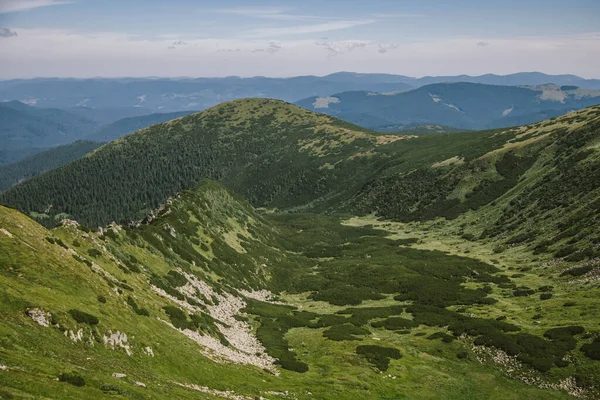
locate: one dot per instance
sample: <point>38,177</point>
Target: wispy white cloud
<point>273,13</point>
<point>341,47</point>
<point>385,47</point>
<point>9,6</point>
<point>305,29</point>
<point>398,15</point>
<point>5,32</point>
<point>53,52</point>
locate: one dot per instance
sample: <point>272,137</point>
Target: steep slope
<point>462,105</point>
<point>23,126</point>
<point>129,125</point>
<point>11,174</point>
<point>179,307</point>
<point>540,189</point>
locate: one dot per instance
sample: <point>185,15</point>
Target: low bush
<point>137,309</point>
<point>592,350</point>
<point>83,317</point>
<point>344,332</point>
<point>73,378</point>
<point>379,356</point>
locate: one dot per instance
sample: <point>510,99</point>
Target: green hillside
<point>460,265</point>
<point>208,299</point>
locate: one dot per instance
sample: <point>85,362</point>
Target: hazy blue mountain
<point>140,96</point>
<point>461,105</point>
<point>23,126</point>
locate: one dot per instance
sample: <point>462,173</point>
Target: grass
<point>292,248</point>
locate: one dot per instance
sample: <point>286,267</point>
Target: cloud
<point>5,32</point>
<point>9,6</point>
<point>483,44</point>
<point>341,47</point>
<point>66,53</point>
<point>273,48</point>
<point>304,29</point>
<point>271,13</point>
<point>398,15</point>
<point>384,48</point>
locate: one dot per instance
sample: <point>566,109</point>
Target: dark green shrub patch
<point>523,292</point>
<point>344,332</point>
<point>462,354</point>
<point>275,321</point>
<point>346,295</point>
<point>394,323</point>
<point>101,299</point>
<point>379,356</point>
<point>361,316</point>
<point>565,251</point>
<point>532,350</point>
<point>83,317</point>
<point>592,350</point>
<point>545,296</point>
<point>137,309</point>
<point>73,378</point>
<point>112,389</point>
<point>441,335</point>
<point>94,252</point>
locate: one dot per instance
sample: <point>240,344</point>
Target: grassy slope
<point>44,275</point>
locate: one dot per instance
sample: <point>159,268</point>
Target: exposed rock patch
<point>39,316</point>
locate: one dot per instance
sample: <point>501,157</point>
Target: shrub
<point>71,377</point>
<point>462,354</point>
<point>592,350</point>
<point>102,299</point>
<point>136,308</point>
<point>94,252</point>
<point>441,335</point>
<point>545,296</point>
<point>523,292</point>
<point>379,356</point>
<point>83,317</point>
<point>344,332</point>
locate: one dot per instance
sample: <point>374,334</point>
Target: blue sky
<point>83,38</point>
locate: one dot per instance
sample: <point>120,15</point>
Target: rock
<point>118,375</point>
<point>140,384</point>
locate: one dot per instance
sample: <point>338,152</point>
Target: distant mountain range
<point>26,131</point>
<point>150,95</point>
<point>461,105</point>
<point>24,127</point>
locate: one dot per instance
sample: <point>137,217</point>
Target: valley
<point>459,265</point>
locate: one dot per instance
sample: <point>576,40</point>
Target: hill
<point>261,305</point>
<point>99,99</point>
<point>461,105</point>
<point>129,125</point>
<point>11,174</point>
<point>441,265</point>
<point>24,127</point>
<point>273,153</point>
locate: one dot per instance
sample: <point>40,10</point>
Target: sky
<point>131,38</point>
